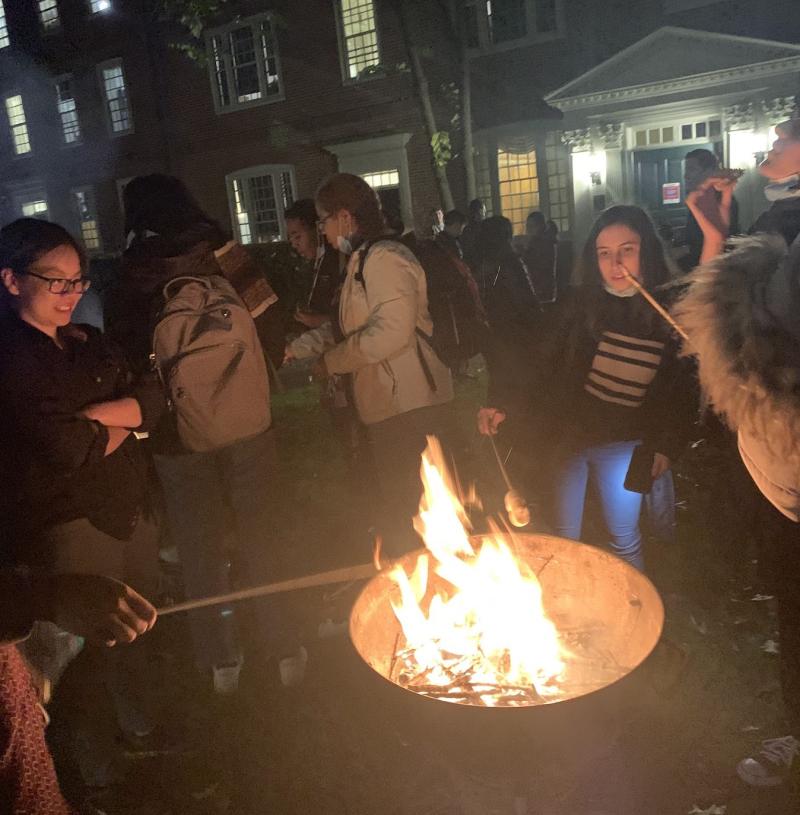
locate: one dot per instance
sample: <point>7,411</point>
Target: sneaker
<point>226,678</point>
<point>293,668</point>
<point>771,767</point>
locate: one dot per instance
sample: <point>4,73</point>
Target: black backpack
<point>457,327</point>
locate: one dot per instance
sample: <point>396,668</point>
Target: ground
<point>704,700</point>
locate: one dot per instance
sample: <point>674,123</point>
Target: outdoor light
<point>103,5</point>
<point>596,165</point>
<point>747,147</point>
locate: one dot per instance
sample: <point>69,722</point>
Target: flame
<point>484,634</point>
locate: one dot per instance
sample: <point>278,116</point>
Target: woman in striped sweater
<point>610,381</point>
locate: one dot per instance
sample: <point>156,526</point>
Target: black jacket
<point>54,468</point>
<point>782,218</point>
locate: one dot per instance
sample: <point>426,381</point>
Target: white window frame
<point>56,83</point>
<point>92,199</point>
<point>5,39</point>
<point>532,35</point>
<point>102,66</point>
<point>254,23</point>
<point>54,23</point>
<point>10,95</point>
<point>276,171</point>
<point>344,62</point>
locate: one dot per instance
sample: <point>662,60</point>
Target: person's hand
<point>712,211</point>
<point>660,465</point>
<point>310,320</point>
<point>102,610</point>
<point>319,370</point>
<point>288,356</point>
<point>489,420</point>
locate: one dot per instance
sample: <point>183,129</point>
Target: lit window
<point>4,39</point>
<point>115,91</point>
<point>19,127</point>
<point>519,186</point>
<point>245,69</point>
<point>98,6</point>
<point>68,111</point>
<point>383,178</point>
<point>84,204</point>
<point>491,23</point>
<point>258,198</point>
<point>358,37</point>
<point>36,208</point>
<point>48,14</point>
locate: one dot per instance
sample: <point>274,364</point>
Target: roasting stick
<point>655,304</point>
<point>517,509</point>
<point>347,574</point>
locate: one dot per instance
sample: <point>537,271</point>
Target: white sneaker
<point>293,669</point>
<point>226,678</point>
<point>771,767</point>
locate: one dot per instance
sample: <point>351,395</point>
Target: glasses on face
<point>63,285</point>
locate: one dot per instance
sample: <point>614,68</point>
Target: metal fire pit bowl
<point>587,592</point>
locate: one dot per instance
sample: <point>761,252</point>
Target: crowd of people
<point>165,415</point>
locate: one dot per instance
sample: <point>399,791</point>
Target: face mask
<point>344,245</point>
<point>629,292</point>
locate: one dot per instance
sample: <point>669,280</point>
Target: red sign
<point>671,193</point>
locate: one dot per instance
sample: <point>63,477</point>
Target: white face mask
<point>344,245</point>
<point>629,292</point>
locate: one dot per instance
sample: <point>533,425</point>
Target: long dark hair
<point>161,204</point>
<point>653,264</point>
<point>494,239</point>
<point>352,193</point>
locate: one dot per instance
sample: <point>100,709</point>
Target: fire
<point>485,637</point>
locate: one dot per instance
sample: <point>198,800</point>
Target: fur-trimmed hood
<point>742,317</point>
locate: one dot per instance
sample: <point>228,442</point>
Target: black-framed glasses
<point>63,285</point>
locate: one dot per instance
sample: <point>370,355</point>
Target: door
<point>659,186</point>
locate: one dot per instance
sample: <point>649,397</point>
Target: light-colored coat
<point>382,348</point>
<point>744,328</point>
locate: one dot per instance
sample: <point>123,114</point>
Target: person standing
<point>540,256</point>
<point>218,476</point>
<point>402,391</point>
<point>450,237</point>
<point>470,237</point>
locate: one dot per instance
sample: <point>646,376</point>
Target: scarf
<point>783,189</point>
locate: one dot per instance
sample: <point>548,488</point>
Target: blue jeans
<point>608,465</point>
<point>207,497</point>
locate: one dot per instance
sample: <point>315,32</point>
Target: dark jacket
<point>578,409</point>
<point>54,468</point>
<point>782,218</point>
<point>693,237</point>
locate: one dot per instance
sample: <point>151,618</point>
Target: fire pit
<point>507,649</point>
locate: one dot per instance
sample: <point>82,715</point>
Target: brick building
<point>92,95</point>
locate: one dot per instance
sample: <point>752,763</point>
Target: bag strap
<point>183,280</point>
<point>359,276</point>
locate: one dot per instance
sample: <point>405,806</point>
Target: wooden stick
<point>655,304</point>
<point>361,572</point>
<point>500,463</point>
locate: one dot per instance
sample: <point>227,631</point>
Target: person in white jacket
<point>401,390</point>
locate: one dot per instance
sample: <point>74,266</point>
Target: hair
<point>494,238</point>
<point>344,191</point>
<point>24,241</point>
<point>161,204</point>
<point>552,228</point>
<point>536,217</point>
<point>705,158</point>
<point>304,211</point>
<point>454,218</point>
<point>791,127</point>
<point>652,260</point>
<point>475,206</point>
<point>394,220</point>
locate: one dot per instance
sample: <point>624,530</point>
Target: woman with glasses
<point>74,494</point>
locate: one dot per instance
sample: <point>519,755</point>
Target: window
<point>674,134</point>
<point>98,6</point>
<point>115,93</point>
<point>383,179</point>
<point>86,210</point>
<point>4,39</point>
<point>258,197</point>
<point>492,23</point>
<point>518,179</point>
<point>245,69</point>
<point>68,111</point>
<point>48,14</point>
<point>557,161</point>
<point>19,127</point>
<point>358,37</point>
<point>29,200</point>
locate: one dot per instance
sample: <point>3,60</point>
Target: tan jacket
<point>379,318</point>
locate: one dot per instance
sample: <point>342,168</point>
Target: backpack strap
<point>170,287</point>
<point>359,276</point>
